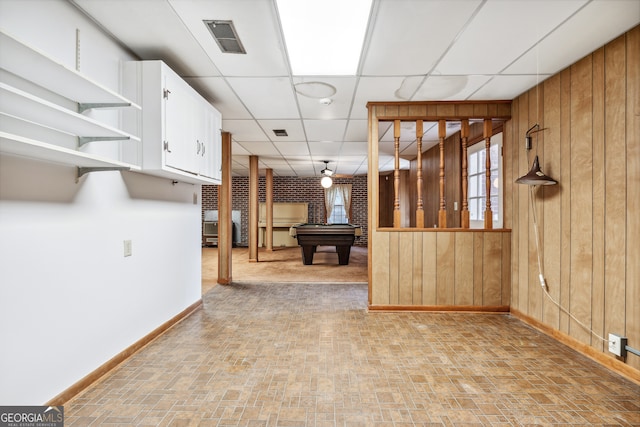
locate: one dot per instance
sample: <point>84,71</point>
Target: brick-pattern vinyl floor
<point>311,355</point>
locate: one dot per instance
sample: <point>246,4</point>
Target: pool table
<point>310,236</point>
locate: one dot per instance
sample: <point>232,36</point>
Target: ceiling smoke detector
<point>225,35</point>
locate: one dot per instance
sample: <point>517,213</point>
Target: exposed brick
<point>292,189</point>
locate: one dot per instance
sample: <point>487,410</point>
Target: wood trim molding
<point>603,359</point>
<point>499,309</point>
<point>116,360</point>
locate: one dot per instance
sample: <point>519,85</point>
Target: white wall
<point>69,299</point>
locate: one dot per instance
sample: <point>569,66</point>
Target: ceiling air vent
<point>225,35</point>
<point>280,132</point>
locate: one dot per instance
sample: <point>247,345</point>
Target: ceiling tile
<point>325,130</point>
<point>506,87</point>
<point>219,93</point>
<point>244,130</point>
<point>261,148</point>
<point>374,89</point>
<point>325,150</point>
<point>605,21</point>
<point>449,88</point>
<point>423,30</point>
<point>484,46</point>
<point>266,98</point>
<point>357,130</point>
<point>238,150</point>
<point>353,148</point>
<point>292,148</point>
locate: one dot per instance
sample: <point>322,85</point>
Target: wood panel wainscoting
<point>125,354</point>
<point>440,270</point>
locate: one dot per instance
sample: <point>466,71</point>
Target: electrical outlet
<point>127,248</point>
<point>617,345</point>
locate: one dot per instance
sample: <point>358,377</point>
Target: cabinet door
<point>210,154</point>
<point>217,146</point>
<point>180,121</point>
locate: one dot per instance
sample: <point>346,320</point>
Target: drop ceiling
<point>414,50</point>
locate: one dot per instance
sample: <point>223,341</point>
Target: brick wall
<point>292,189</point>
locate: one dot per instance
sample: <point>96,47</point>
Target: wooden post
<point>488,214</point>
<point>464,214</point>
<point>268,238</point>
<point>225,225</point>
<point>419,203</point>
<point>396,174</point>
<point>253,209</point>
<point>442,213</point>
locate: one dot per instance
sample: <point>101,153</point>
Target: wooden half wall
<point>445,269</point>
<point>441,270</point>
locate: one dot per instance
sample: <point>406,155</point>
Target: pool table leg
<point>343,254</point>
<point>307,254</point>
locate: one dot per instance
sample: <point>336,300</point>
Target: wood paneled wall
<point>441,270</point>
<point>590,221</point>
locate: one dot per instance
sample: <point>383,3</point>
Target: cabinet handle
<point>197,146</point>
<point>203,148</point>
<point>165,93</point>
<point>166,147</point>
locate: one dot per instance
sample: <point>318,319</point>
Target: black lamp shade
<point>535,176</point>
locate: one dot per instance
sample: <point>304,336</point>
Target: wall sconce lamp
<point>535,176</point>
<point>326,180</point>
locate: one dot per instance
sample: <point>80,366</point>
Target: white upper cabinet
<point>180,130</point>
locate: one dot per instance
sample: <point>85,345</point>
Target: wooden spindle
<point>396,174</point>
<point>442,213</point>
<point>419,203</point>
<point>488,214</point>
<point>464,215</point>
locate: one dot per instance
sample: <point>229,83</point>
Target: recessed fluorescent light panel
<point>324,37</point>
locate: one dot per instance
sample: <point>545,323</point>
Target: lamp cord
<point>543,281</point>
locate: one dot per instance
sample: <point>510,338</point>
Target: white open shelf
<point>39,68</point>
<point>25,147</point>
<point>34,66</point>
<point>25,106</point>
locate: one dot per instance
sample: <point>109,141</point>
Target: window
<point>337,201</point>
<point>477,182</point>
<point>338,214</point>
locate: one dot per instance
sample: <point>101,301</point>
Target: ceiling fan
<point>329,172</point>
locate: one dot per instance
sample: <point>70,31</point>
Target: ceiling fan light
<point>326,172</point>
<point>326,181</point>
<point>535,176</point>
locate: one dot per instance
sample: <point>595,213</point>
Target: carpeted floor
<point>285,265</point>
